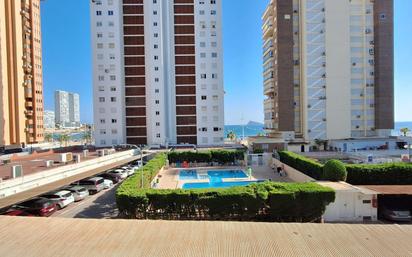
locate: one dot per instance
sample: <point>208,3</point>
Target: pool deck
<point>170,177</point>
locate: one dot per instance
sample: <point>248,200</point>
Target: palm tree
<point>63,138</point>
<point>231,135</point>
<point>405,131</point>
<point>48,137</point>
<point>87,137</point>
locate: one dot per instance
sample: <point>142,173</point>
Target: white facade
<point>61,107</point>
<point>108,89</point>
<point>111,99</point>
<point>49,119</point>
<point>352,204</point>
<point>67,109</point>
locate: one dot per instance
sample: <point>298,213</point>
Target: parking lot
<point>93,197</point>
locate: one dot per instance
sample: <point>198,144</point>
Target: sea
<point>254,130</point>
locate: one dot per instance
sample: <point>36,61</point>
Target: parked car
<point>38,206</point>
<point>107,183</point>
<point>122,173</point>
<point>16,212</point>
<point>396,214</point>
<point>79,192</point>
<point>62,198</point>
<point>110,176</point>
<point>93,185</point>
<point>129,169</point>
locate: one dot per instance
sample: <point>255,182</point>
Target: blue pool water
<point>188,175</point>
<point>218,184</point>
<point>215,179</point>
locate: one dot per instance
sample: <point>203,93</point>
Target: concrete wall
<point>293,174</point>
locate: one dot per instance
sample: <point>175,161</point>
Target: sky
<point>67,57</point>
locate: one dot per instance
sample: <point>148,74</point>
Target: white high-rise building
<point>158,72</point>
<point>328,69</point>
<point>49,119</point>
<point>67,109</point>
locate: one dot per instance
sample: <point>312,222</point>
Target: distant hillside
<point>255,123</point>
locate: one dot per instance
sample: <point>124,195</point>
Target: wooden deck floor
<point>45,237</point>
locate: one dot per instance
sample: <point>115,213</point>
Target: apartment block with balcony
<point>21,78</point>
<point>328,69</point>
<point>158,72</point>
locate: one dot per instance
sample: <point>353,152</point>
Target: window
<point>110,12</point>
<point>158,135</point>
<point>101,78</point>
<point>112,77</point>
<point>157,102</point>
<point>102,121</point>
<point>202,55</point>
<point>214,76</point>
<point>101,88</point>
<point>102,132</point>
<point>98,13</point>
<point>157,113</point>
<point>215,129</point>
<point>204,129</point>
<point>99,35</point>
<point>111,45</point>
<point>99,24</point>
<point>202,44</point>
<point>213,12</point>
<point>214,55</point>
<point>113,89</point>
<point>113,99</point>
<point>99,45</point>
<point>157,124</point>
<point>114,121</point>
<point>102,99</point>
<point>204,97</point>
<point>203,76</point>
<point>111,23</point>
<point>202,12</point>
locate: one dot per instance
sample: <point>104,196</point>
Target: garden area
<point>355,174</point>
<point>265,201</point>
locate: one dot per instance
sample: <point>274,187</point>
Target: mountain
<point>255,123</point>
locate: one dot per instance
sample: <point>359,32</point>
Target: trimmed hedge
<point>305,165</point>
<point>267,201</point>
<point>380,174</point>
<point>220,156</point>
<point>334,170</point>
<point>357,174</point>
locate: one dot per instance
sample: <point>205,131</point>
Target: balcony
<point>269,87</point>
<point>269,104</point>
<point>28,92</point>
<point>29,104</point>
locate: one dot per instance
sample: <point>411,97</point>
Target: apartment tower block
<point>21,78</point>
<point>158,72</point>
<point>328,69</point>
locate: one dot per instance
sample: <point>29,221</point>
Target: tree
<point>87,137</point>
<point>335,170</point>
<point>48,137</point>
<point>231,136</point>
<point>321,142</point>
<point>63,138</point>
<point>405,131</point>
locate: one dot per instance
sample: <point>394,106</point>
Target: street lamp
<point>409,147</point>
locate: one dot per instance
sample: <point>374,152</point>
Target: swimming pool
<point>211,174</point>
<point>218,184</point>
<point>215,178</point>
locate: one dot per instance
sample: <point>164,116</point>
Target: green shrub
<point>334,170</point>
<point>359,174</point>
<point>305,165</point>
<point>258,151</point>
<point>267,201</point>
<point>220,156</point>
<point>380,174</point>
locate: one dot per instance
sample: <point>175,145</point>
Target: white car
<point>61,198</point>
<point>122,173</point>
<point>108,184</point>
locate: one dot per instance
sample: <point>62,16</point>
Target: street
<point>99,206</point>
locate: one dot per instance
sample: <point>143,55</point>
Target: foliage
<point>63,138</point>
<point>48,137</point>
<point>305,165</point>
<point>380,174</point>
<point>334,170</point>
<point>87,137</point>
<point>267,201</point>
<point>258,151</point>
<point>220,156</point>
<point>405,131</point>
<point>357,174</point>
<point>231,136</point>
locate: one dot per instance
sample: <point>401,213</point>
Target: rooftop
<point>76,237</point>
